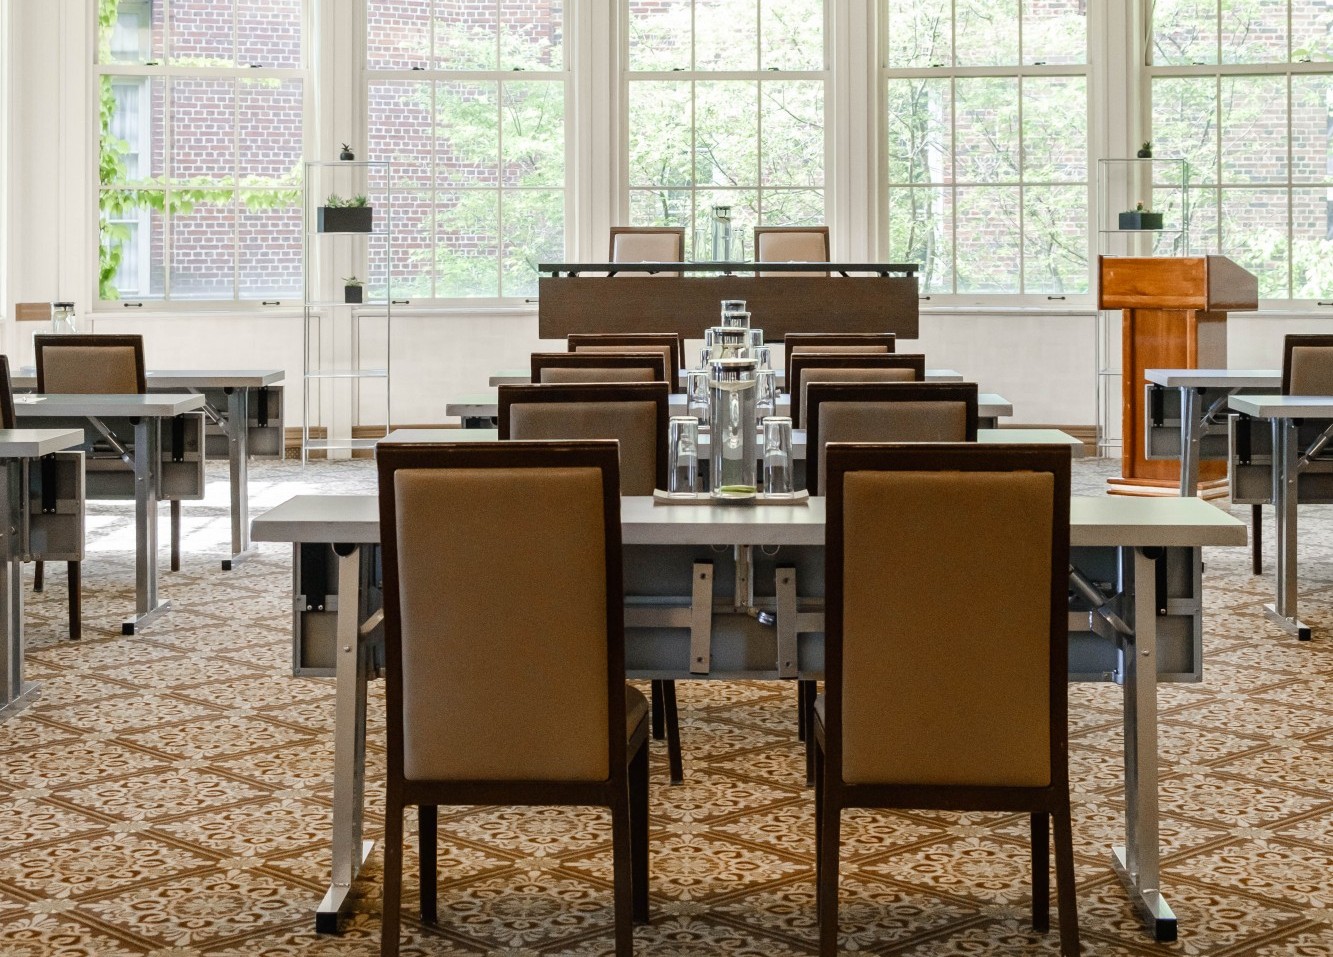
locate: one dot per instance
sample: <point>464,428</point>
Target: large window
<point>200,148</point>
<point>1243,90</point>
<point>726,108</point>
<point>986,136</point>
<point>467,99</point>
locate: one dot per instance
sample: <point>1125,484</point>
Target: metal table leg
<point>16,694</point>
<point>1137,861</point>
<point>349,744</point>
<point>147,476</point>
<point>1286,453</point>
<point>237,428</point>
<point>1192,428</point>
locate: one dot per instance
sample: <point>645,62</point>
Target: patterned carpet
<point>169,794</point>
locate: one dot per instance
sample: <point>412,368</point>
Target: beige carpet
<point>169,794</point>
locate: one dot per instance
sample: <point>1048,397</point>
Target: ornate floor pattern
<point>168,794</point>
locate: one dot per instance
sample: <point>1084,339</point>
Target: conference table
<point>1136,620</point>
<point>106,414</point>
<point>524,376</point>
<point>18,447</point>
<point>232,399</point>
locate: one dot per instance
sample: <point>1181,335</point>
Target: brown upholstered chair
<point>578,368</point>
<point>807,367</point>
<point>647,244</point>
<point>666,342</point>
<point>784,244</point>
<point>918,538</point>
<point>526,708</point>
<point>835,343</point>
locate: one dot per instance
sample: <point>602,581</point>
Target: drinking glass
<point>764,356</point>
<point>683,455</point>
<point>777,456</point>
<point>756,339</point>
<point>696,394</point>
<point>765,394</point>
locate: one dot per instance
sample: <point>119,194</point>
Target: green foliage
<point>337,202</point>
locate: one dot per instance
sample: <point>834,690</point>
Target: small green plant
<point>337,202</point>
<point>352,281</point>
<point>1147,145</point>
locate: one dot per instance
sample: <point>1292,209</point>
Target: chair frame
<point>881,392</point>
<point>798,363</point>
<point>655,392</point>
<point>625,791</point>
<point>629,340</point>
<point>833,795</point>
<point>598,360</point>
<point>677,231</point>
<point>812,230</point>
<point>92,340</point>
<point>815,339</point>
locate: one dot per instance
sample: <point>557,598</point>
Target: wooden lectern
<point>1175,317</point>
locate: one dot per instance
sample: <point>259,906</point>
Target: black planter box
<point>354,293</point>
<point>345,219</point>
<point>1144,220</point>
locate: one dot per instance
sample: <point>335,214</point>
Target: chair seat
<point>636,710</point>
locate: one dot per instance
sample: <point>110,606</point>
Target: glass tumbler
<point>765,394</point>
<point>764,356</point>
<point>696,395</point>
<point>756,339</point>
<point>777,456</point>
<point>683,455</point>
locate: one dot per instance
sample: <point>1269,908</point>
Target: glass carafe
<point>734,460</point>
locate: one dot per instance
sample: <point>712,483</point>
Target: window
<point>986,127</point>
<point>726,108</point>
<point>1243,90</point>
<point>467,99</point>
<point>200,148</point>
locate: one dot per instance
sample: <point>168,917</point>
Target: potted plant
<point>346,154</point>
<point>339,215</point>
<point>1140,218</point>
<point>1145,151</point>
<point>353,290</point>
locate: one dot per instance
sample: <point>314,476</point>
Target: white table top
<point>486,404</point>
<point>1284,406</point>
<point>524,376</point>
<point>1093,521</point>
<point>26,378</point>
<point>153,405</point>
<point>34,443</point>
<point>1215,378</point>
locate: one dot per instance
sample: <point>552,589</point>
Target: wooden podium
<point>1175,317</point>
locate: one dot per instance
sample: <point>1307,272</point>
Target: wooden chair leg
<point>427,851</point>
<point>622,867</point>
<point>1066,901</point>
<point>75,570</point>
<point>811,742</point>
<point>801,729</point>
<point>393,882</point>
<point>38,575</point>
<point>1257,539</point>
<point>638,824</point>
<point>830,837</point>
<point>672,722</point>
<point>175,535</point>
<point>659,709</point>
<point>1041,872</point>
<point>808,703</point>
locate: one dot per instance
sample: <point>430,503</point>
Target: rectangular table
<point>230,397</point>
<point>1292,471</point>
<point>1137,620</point>
<point>524,376</point>
<point>144,414</point>
<point>16,447</point>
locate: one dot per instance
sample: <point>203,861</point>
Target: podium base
<point>1165,488</point>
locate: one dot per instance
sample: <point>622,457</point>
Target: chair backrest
<point>7,418</point>
<point>503,611</point>
<point>919,539</point>
<point>885,412</point>
<point>1307,365</point>
<point>784,244</point>
<point>633,342</point>
<point>90,364</point>
<point>634,413</point>
<point>647,244</point>
<point>835,343</point>
<point>807,367</point>
<point>564,368</point>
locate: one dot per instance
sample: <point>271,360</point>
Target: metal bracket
<point>1102,616</point>
<point>743,596</point>
<point>701,619</point>
<point>785,589</point>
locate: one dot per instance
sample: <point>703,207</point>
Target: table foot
<point>1150,903</point>
<point>326,917</point>
<point>131,625</point>
<point>31,692</point>
<point>229,563</point>
<point>1292,626</point>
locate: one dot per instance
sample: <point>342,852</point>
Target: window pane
<point>744,205</point>
<point>1055,130</point>
<point>1254,129</point>
<point>1184,123</point>
<point>659,34</point>
<point>1184,32</point>
<point>131,246</point>
<point>921,232</point>
<point>269,227</point>
<point>661,207</point>
<point>467,148</point>
<point>533,36</point>
<point>726,133</point>
<point>1204,230</point>
<point>793,35</point>
<point>1254,234</point>
<point>269,33</point>
<point>1055,31</point>
<point>129,31</point>
<point>534,232</point>
<point>793,207</point>
<point>397,34</point>
<point>533,134</point>
<point>988,239</point>
<point>920,116</point>
<point>726,35</point>
<point>401,129</point>
<point>1312,128</point>
<point>132,144</point>
<point>986,113</point>
<point>203,249</point>
<point>919,33</point>
<point>1312,242</point>
<point>465,35</point>
<point>203,131</point>
<point>467,236</point>
<point>1312,30</point>
<point>414,256</point>
<point>793,133</point>
<point>660,123</point>
<point>270,118</point>
<point>1254,31</point>
<point>202,34</point>
<point>1055,239</point>
<point>986,32</point>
